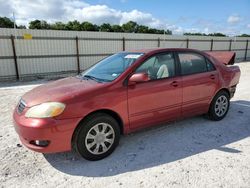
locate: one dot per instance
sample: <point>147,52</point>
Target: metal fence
<point>50,53</point>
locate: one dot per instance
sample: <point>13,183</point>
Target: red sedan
<point>123,93</point>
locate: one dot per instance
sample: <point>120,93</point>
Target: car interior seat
<point>162,72</point>
<point>166,68</point>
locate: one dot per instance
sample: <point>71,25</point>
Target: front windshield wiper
<point>91,78</point>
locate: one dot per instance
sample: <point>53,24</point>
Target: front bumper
<point>58,133</point>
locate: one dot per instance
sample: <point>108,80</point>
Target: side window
<point>159,66</point>
<point>192,63</point>
<point>210,66</point>
<point>146,65</point>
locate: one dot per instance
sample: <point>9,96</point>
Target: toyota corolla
<point>123,93</point>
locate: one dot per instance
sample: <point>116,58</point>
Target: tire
<point>219,106</point>
<point>93,134</point>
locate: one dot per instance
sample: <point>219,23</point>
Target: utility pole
<point>14,46</point>
<point>14,19</point>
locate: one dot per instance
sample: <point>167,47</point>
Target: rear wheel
<point>97,136</point>
<point>219,106</point>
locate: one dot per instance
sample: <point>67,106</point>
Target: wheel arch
<point>221,89</point>
<point>211,113</point>
<point>112,113</point>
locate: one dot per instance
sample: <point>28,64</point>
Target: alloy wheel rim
<point>221,106</point>
<point>100,138</point>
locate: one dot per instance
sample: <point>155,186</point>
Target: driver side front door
<point>157,100</point>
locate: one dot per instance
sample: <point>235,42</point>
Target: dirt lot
<point>194,152</point>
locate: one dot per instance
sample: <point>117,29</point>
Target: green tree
<point>142,29</point>
<point>74,26</point>
<point>87,26</point>
<point>217,34</point>
<point>195,34</point>
<point>58,26</point>
<point>6,22</point>
<point>116,28</point>
<point>39,24</point>
<point>130,27</point>
<point>203,34</point>
<point>152,30</point>
<point>160,31</point>
<point>21,27</point>
<point>36,24</point>
<point>244,35</point>
<point>106,27</point>
<point>168,32</point>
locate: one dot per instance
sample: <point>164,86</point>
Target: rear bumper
<point>58,133</point>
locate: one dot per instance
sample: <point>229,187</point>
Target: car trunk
<point>225,57</point>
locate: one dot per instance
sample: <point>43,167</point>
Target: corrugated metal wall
<point>54,53</point>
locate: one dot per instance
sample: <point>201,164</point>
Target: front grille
<point>21,106</point>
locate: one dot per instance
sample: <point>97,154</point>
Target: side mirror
<point>137,78</point>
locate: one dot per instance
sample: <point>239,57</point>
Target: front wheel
<point>97,137</point>
<point>219,106</point>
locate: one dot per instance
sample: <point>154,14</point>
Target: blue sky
<point>227,16</point>
<point>192,13</point>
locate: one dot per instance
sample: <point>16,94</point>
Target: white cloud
<point>97,14</point>
<point>175,29</point>
<point>206,30</point>
<point>68,10</point>
<point>142,18</point>
<point>233,19</point>
<point>56,10</point>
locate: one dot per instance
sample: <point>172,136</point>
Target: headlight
<point>45,110</point>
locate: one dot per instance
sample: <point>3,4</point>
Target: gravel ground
<point>194,152</point>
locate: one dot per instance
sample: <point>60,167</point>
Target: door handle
<point>174,83</point>
<point>212,76</point>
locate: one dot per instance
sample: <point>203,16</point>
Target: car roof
<point>155,50</point>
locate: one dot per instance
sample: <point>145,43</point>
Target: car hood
<point>58,91</point>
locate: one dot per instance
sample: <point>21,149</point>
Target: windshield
<point>111,67</point>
